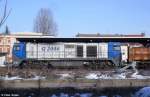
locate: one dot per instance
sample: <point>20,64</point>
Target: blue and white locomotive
<point>67,53</point>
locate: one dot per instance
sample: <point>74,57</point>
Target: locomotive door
<point>70,51</point>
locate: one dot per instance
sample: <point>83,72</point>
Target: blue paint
<point>114,50</point>
<point>19,50</point>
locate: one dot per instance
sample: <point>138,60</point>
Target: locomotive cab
<point>18,53</point>
<point>114,52</point>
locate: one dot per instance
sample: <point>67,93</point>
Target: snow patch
<point>19,78</point>
<point>2,65</point>
<point>36,78</point>
<point>11,78</point>
<point>91,76</point>
<point>138,76</point>
<point>119,76</point>
<point>97,76</point>
<point>65,75</point>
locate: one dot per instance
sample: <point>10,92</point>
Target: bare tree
<point>4,14</point>
<point>44,22</point>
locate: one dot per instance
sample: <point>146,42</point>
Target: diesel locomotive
<point>78,54</point>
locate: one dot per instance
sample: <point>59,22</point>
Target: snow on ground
<point>2,65</point>
<point>36,78</point>
<point>136,75</point>
<point>124,75</point>
<point>71,74</point>
<point>19,78</point>
<point>65,75</point>
<point>104,76</point>
<point>119,76</point>
<point>91,76</point>
<point>11,78</point>
<point>97,76</point>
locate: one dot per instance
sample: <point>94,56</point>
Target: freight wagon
<point>61,54</point>
<point>140,55</point>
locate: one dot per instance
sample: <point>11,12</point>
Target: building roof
<point>88,35</point>
<point>110,35</point>
<point>26,33</point>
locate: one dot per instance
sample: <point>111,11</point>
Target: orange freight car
<point>139,54</point>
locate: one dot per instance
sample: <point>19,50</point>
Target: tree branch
<point>5,14</point>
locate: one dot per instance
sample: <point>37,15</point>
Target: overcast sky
<point>83,16</point>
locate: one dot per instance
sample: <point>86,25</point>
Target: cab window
<point>17,48</point>
<point>116,47</point>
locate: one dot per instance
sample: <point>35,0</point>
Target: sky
<point>83,16</point>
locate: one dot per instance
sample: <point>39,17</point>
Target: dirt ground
<point>72,73</point>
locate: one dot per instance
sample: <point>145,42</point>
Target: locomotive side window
<point>79,51</point>
<point>69,46</point>
<point>91,51</point>
<point>70,51</point>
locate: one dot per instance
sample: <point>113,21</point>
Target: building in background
<point>110,35</point>
<point>7,42</point>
